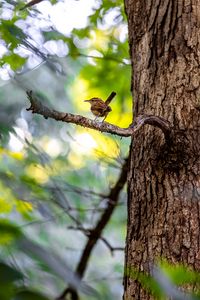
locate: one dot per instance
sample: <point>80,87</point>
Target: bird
<point>99,108</point>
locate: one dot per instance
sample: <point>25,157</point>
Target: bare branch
<point>95,234</point>
<point>38,108</point>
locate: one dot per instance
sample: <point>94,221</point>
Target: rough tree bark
<point>164,176</point>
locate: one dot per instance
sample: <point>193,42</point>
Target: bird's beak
<point>86,100</point>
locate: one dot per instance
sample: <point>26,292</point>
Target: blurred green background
<point>54,177</point>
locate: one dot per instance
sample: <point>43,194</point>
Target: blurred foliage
<point>55,178</point>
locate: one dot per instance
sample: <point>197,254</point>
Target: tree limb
<point>38,108</point>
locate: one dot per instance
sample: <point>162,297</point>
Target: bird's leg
<point>105,116</point>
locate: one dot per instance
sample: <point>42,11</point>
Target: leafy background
<point>54,177</point>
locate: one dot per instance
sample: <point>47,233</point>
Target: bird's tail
<point>109,99</point>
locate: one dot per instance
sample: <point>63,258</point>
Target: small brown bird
<point>100,108</point>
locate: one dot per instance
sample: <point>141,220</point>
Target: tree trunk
<point>164,176</point>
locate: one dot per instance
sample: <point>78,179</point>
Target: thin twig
<point>105,57</point>
<point>110,247</point>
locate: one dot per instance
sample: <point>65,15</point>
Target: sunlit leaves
<point>107,65</point>
<point>5,206</point>
<point>7,199</point>
<point>15,155</point>
<point>14,60</point>
<point>37,172</point>
<point>94,144</point>
<point>11,34</point>
<point>104,8</point>
<point>12,37</point>
<point>24,208</point>
<point>35,189</point>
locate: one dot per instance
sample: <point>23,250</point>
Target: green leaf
<point>14,60</point>
<point>54,1</point>
<point>11,34</point>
